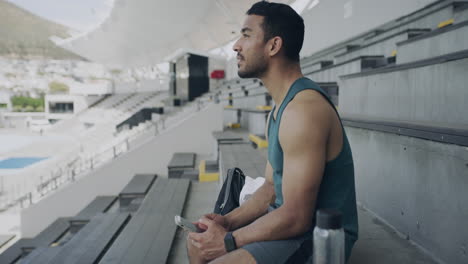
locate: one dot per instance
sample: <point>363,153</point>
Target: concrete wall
<point>417,186</point>
<point>125,87</point>
<point>80,102</point>
<point>149,86</point>
<point>18,119</point>
<point>313,66</point>
<point>333,21</point>
<point>98,87</point>
<point>448,42</point>
<point>384,48</point>
<point>331,74</point>
<point>249,101</point>
<point>231,69</point>
<point>237,93</point>
<point>151,156</point>
<point>323,25</point>
<point>430,21</point>
<point>460,16</point>
<point>257,123</point>
<point>435,93</point>
<point>229,116</point>
<point>253,122</point>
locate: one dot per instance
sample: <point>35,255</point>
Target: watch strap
<point>230,242</point>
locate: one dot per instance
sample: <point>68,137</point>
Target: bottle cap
<point>329,219</point>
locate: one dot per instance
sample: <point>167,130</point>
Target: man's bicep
<point>302,175</point>
<point>304,147</point>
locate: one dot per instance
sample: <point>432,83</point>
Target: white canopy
<point>145,32</point>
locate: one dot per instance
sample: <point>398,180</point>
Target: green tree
<point>28,104</point>
<point>29,108</point>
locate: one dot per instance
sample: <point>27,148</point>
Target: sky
<point>80,15</point>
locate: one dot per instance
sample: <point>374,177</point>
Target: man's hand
<point>219,219</point>
<point>211,242</point>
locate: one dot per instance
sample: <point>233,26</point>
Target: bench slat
<point>154,223</point>
<point>86,246</point>
<point>41,255</point>
<point>14,252</point>
<point>123,243</point>
<point>139,184</point>
<point>162,244</point>
<point>99,205</point>
<point>182,160</point>
<point>49,235</point>
<point>90,248</point>
<point>138,187</point>
<point>148,231</point>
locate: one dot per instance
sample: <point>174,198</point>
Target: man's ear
<point>275,45</point>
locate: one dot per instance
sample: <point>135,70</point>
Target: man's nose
<point>236,46</point>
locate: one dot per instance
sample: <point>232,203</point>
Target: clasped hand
<point>211,241</point>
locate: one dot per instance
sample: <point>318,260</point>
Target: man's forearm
<point>278,225</point>
<point>253,208</point>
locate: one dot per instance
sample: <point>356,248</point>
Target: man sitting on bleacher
<point>309,158</point>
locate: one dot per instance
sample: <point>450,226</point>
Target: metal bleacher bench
<point>86,246</point>
<point>111,236</point>
<point>137,188</point>
<point>148,236</point>
<point>48,236</point>
<point>4,239</point>
<point>99,205</point>
<point>227,137</point>
<point>179,163</point>
<point>243,156</point>
<point>60,230</point>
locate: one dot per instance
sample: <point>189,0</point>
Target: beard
<point>255,69</point>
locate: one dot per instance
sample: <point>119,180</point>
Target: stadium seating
<point>148,236</point>
<point>438,42</point>
<point>145,205</point>
<point>406,121</point>
<point>179,163</point>
<point>135,191</point>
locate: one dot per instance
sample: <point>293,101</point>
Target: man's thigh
<point>297,250</point>
<point>237,256</point>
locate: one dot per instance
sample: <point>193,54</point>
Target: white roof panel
<point>144,32</point>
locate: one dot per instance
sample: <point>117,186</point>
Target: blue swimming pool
<point>19,163</point>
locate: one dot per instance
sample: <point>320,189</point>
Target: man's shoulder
<point>305,117</point>
<point>308,105</point>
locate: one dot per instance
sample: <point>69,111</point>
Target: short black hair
<point>281,20</point>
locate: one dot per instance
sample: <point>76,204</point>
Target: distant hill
<point>25,35</point>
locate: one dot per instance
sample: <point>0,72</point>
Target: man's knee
<point>237,256</point>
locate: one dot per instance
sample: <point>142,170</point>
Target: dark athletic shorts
<point>294,250</point>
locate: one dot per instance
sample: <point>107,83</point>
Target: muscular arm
<point>303,136</point>
<point>258,204</point>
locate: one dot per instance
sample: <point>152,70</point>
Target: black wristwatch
<point>229,242</point>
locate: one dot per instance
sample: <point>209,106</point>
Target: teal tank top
<point>337,189</point>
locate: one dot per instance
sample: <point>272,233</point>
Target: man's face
<point>250,48</point>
